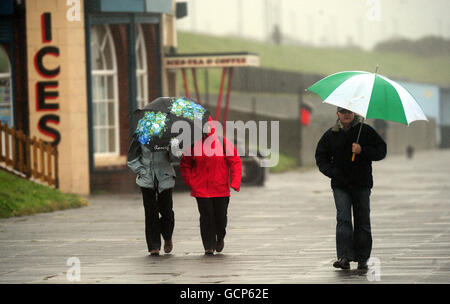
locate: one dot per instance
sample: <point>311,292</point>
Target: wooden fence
<point>28,157</point>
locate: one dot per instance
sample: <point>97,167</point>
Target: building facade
<point>72,73</point>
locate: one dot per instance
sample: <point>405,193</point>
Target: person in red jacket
<point>212,167</point>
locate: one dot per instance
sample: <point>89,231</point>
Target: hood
<point>211,125</point>
<point>212,131</point>
<point>338,125</point>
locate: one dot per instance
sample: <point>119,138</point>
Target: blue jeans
<point>354,244</point>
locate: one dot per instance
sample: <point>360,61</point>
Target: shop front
<point>73,72</point>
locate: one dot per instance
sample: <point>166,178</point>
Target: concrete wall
<point>445,117</point>
<point>420,135</point>
<point>429,99</point>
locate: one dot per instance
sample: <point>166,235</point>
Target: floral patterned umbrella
<point>156,120</point>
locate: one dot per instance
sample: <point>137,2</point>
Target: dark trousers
<point>354,244</point>
<point>213,219</point>
<point>156,204</point>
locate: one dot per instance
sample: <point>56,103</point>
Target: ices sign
<point>47,88</point>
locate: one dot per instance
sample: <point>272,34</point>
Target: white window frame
<point>142,91</point>
<point>8,76</point>
<point>11,104</point>
<point>114,73</point>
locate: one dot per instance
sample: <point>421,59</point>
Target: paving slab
<point>283,232</point>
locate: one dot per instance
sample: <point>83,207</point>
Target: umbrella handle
<point>357,140</point>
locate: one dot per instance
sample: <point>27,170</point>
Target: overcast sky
<point>320,22</point>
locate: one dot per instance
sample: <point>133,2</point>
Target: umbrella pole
<point>357,139</point>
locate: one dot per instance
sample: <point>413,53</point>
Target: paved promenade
<point>280,233</point>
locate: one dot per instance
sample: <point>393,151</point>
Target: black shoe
<point>154,252</point>
<point>168,246</point>
<point>342,263</point>
<point>362,265</point>
<point>209,252</point>
<point>219,246</point>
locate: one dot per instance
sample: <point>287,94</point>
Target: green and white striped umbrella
<point>370,95</point>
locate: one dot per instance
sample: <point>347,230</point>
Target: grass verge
<point>19,197</point>
<point>285,163</point>
<point>315,60</point>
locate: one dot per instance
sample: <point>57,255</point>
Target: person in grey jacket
<point>156,178</point>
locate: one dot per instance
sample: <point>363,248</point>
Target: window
<point>6,110</point>
<point>104,91</point>
<point>141,68</point>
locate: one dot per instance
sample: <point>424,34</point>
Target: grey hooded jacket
<point>150,165</point>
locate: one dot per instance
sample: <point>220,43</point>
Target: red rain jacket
<point>208,175</point>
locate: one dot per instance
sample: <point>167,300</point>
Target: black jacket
<point>334,155</point>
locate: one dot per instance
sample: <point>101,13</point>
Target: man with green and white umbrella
<point>345,152</point>
<point>351,182</point>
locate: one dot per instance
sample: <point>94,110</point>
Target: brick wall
<point>114,180</point>
<point>154,70</point>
